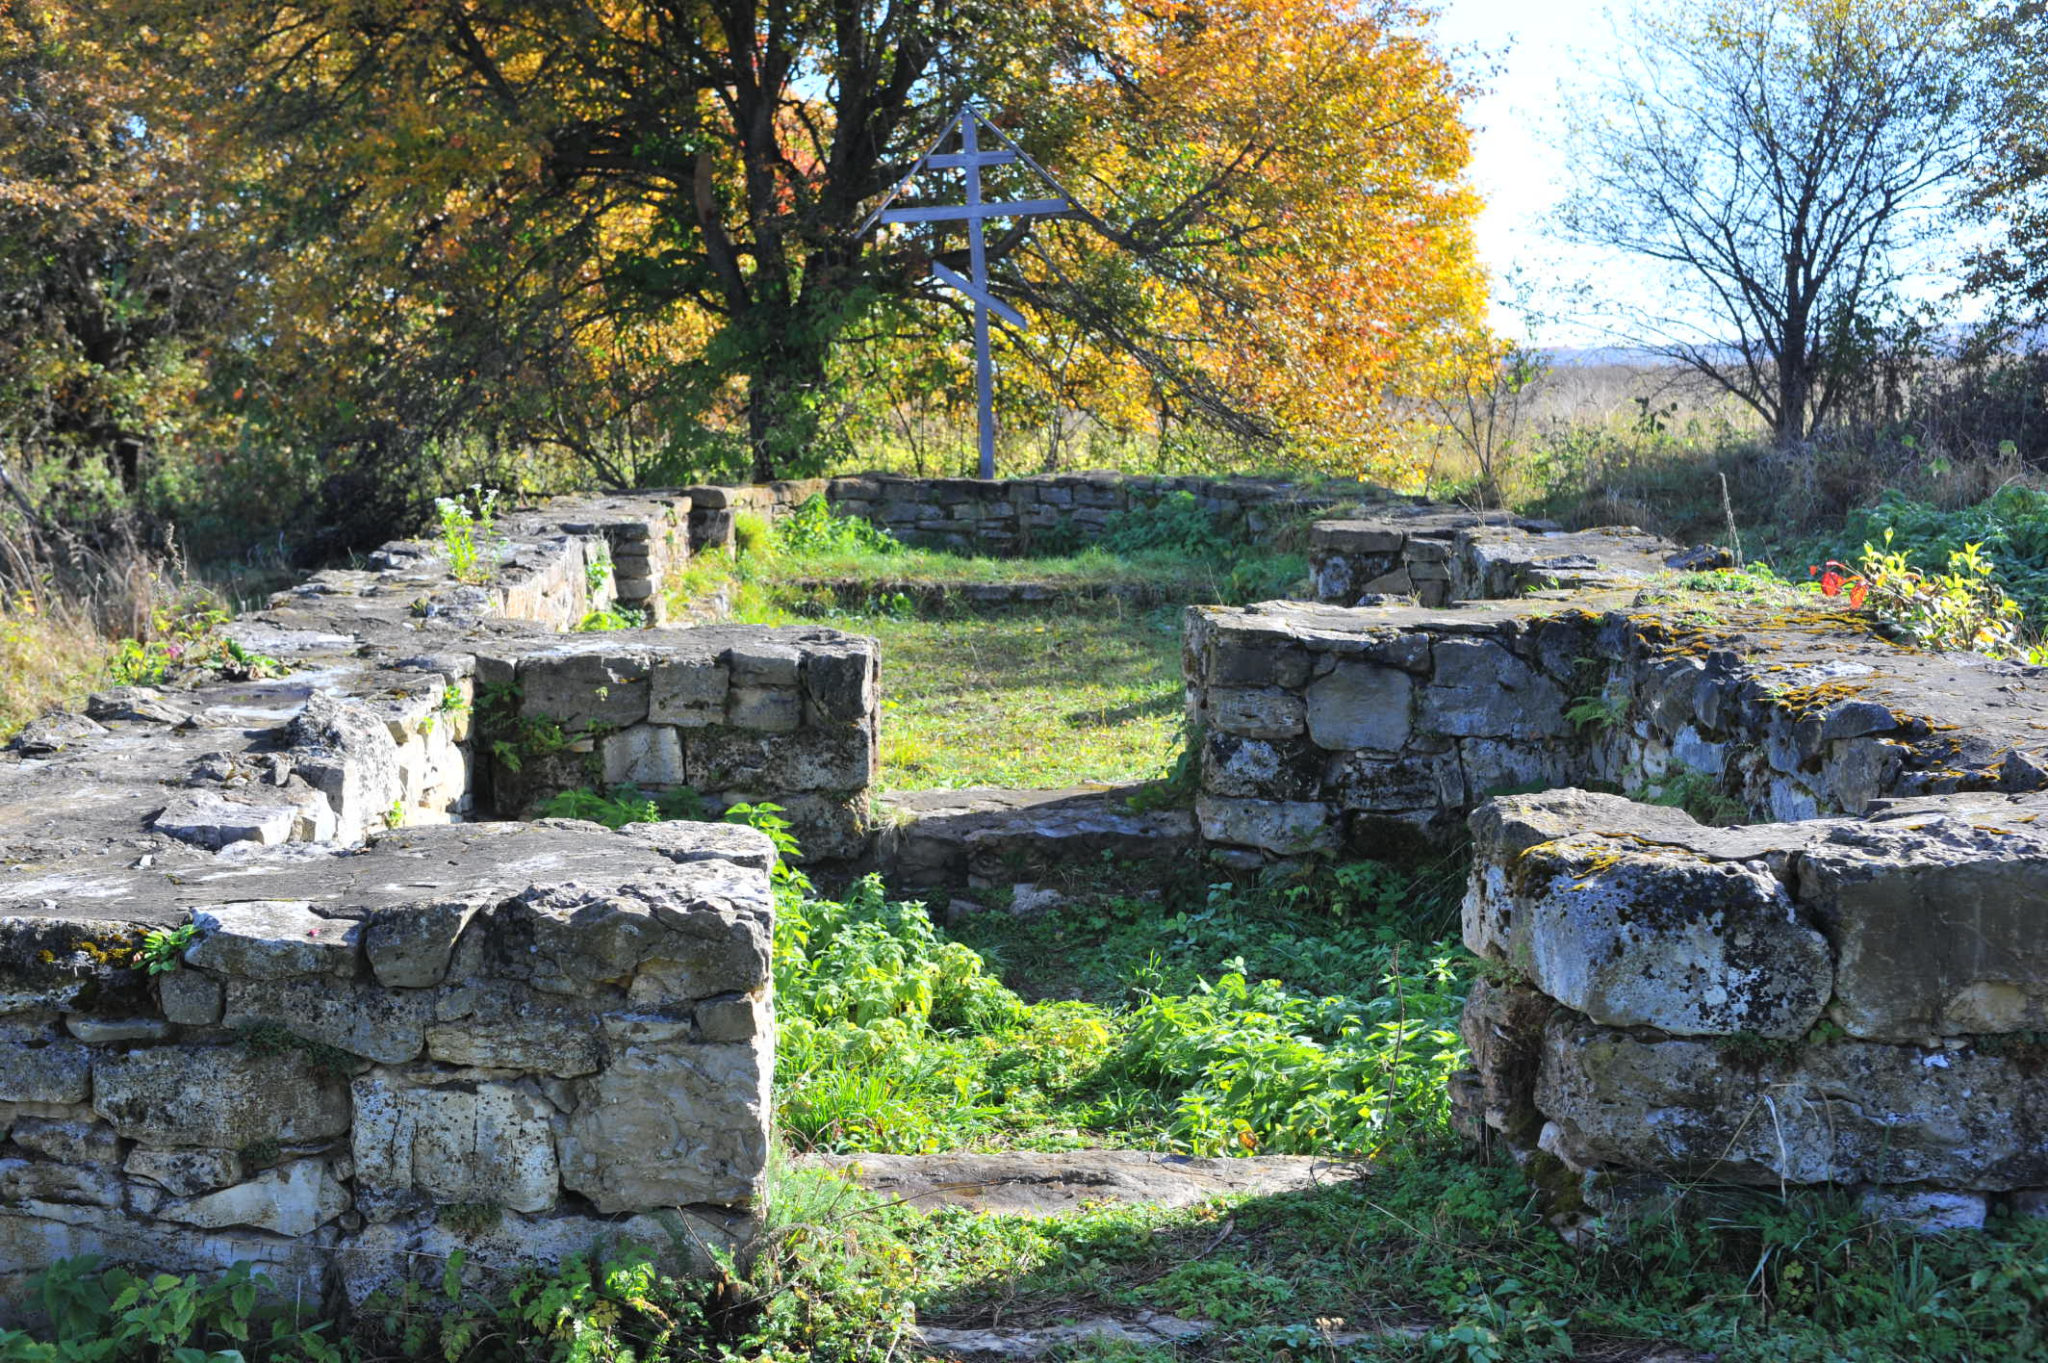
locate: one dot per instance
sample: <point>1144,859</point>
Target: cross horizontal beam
<point>979,295</point>
<point>953,160</point>
<point>974,212</point>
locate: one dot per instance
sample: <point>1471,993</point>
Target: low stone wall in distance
<point>1440,555</point>
<point>516,1041</point>
<point>1849,1002</point>
<point>1005,516</point>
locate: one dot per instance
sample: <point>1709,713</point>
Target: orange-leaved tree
<point>629,230</point>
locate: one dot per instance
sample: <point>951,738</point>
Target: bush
<point>813,528</point>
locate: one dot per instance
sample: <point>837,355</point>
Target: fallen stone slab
<point>1048,1183</point>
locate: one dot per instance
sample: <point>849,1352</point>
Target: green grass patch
<point>1296,1019</point>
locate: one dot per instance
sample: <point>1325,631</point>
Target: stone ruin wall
<point>1850,991</point>
<point>1003,516</point>
<point>398,1031</point>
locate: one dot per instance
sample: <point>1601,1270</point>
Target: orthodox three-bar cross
<point>971,159</point>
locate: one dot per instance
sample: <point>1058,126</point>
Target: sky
<point>1520,50</point>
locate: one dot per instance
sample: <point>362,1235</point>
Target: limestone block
<point>582,687</point>
<point>668,1123</point>
<point>829,826</point>
<point>1291,828</point>
<point>99,1031</point>
<point>1850,1112</point>
<point>54,962</point>
<point>28,1181</point>
<point>1256,712</point>
<point>768,709</point>
<point>209,819</point>
<point>342,749</point>
<point>1280,769</point>
<point>1503,1027</point>
<point>409,945</point>
<point>688,692</point>
<point>683,842</point>
<point>487,1143</point>
<point>67,1139</point>
<point>778,764</point>
<point>385,1025</point>
<point>1356,537</point>
<point>498,1252</point>
<point>38,1066</point>
<point>1936,927</point>
<point>735,1017</point>
<point>295,1199</point>
<point>839,683</point>
<point>644,755</point>
<point>1480,690</point>
<point>1492,765</point>
<point>764,663</point>
<point>184,1173</point>
<point>1416,781</point>
<point>273,939</point>
<point>1635,935</point>
<point>708,919</point>
<point>189,997</point>
<point>497,1024</point>
<point>221,1096</point>
<point>1241,658</point>
<point>1860,770</point>
<point>1357,705</point>
<point>31,1239</point>
<point>1925,1211</point>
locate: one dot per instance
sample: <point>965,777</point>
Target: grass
<point>1023,699</point>
<point>47,660</point>
<point>1213,1020</point>
<point>1081,690</point>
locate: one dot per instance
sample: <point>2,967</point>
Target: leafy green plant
<point>513,737</point>
<point>163,948</point>
<point>1602,709</point>
<point>597,570</point>
<point>811,527</point>
<point>468,525</point>
<point>624,804</point>
<point>92,1313</point>
<point>1962,608</point>
<point>612,618</point>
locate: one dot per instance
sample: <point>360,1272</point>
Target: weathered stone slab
<point>474,1143</point>
<point>1936,926</point>
<point>668,1123</point>
<point>1656,937</point>
<point>223,1096</point>
<point>1850,1112</point>
<point>273,939</point>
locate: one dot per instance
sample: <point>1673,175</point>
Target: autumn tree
<point>111,284</point>
<point>587,224</point>
<point>1780,167</point>
<point>2009,191</point>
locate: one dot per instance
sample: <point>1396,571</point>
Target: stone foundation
<point>513,1040</point>
<point>1012,515</point>
<point>1848,991</point>
<point>396,1032</point>
<point>1853,1002</point>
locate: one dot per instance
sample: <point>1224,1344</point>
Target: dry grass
<point>47,660</point>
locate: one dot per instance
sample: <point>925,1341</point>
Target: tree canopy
<point>627,232</point>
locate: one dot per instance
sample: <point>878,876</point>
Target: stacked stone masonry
<point>1848,991</point>
<point>1007,515</point>
<point>518,1041</point>
<point>396,1030</point>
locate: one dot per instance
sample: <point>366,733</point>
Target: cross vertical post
<point>977,256</point>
